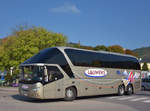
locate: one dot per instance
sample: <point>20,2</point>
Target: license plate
<point>25,87</point>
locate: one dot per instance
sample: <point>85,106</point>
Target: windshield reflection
<point>32,73</point>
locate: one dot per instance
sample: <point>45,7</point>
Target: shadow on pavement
<point>144,93</point>
<point>32,100</point>
<point>96,97</point>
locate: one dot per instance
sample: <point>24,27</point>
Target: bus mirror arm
<point>45,74</point>
<point>45,71</point>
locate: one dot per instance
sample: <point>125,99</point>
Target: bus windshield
<point>32,73</point>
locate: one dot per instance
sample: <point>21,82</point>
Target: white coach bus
<point>63,72</point>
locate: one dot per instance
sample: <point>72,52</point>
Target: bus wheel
<point>143,88</point>
<point>121,90</point>
<point>70,94</point>
<point>129,90</point>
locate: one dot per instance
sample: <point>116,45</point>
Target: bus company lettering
<point>95,72</point>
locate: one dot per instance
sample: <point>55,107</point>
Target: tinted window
<point>51,56</point>
<point>93,59</point>
<point>54,74</point>
<point>146,80</point>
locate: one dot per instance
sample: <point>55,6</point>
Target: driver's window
<point>53,73</point>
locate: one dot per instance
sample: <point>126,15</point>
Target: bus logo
<point>95,72</point>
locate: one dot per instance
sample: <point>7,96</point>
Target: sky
<point>92,22</point>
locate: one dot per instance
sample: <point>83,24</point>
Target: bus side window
<point>53,73</point>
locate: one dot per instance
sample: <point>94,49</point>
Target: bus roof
<point>105,52</point>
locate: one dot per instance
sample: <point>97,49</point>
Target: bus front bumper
<point>31,90</point>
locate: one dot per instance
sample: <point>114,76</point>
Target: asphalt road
<point>11,101</point>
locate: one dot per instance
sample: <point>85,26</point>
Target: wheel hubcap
<point>130,89</point>
<point>121,90</point>
<point>69,93</point>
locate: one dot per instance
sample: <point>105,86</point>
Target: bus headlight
<point>36,89</point>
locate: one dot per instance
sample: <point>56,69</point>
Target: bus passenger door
<point>54,86</point>
<point>59,84</point>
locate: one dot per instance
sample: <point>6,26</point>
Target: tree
<point>24,43</point>
<point>101,47</point>
<point>78,45</point>
<point>0,41</point>
<point>86,47</point>
<point>116,48</point>
<point>129,52</point>
<point>145,67</point>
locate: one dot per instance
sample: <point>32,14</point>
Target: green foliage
<point>101,47</point>
<point>24,43</point>
<point>129,52</point>
<point>8,78</point>
<point>74,45</point>
<point>145,67</point>
<point>78,45</point>
<point>0,41</point>
<point>116,48</point>
<point>86,47</point>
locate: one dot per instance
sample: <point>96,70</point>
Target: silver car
<point>145,84</point>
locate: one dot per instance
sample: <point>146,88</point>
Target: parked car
<point>145,84</point>
<point>15,85</point>
<point>2,82</point>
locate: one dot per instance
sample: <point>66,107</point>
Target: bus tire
<point>70,94</point>
<point>121,90</point>
<point>143,88</point>
<point>129,89</point>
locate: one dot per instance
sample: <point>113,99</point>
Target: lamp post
<point>11,70</point>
